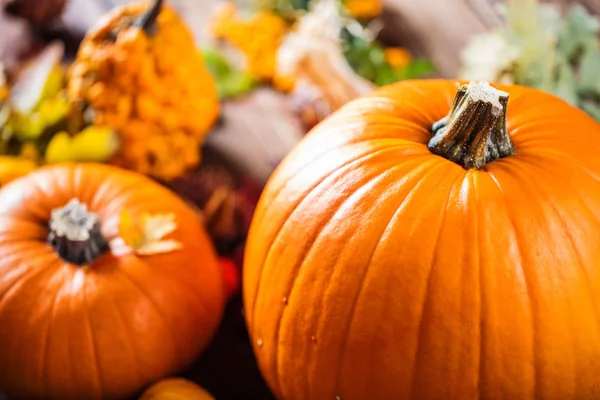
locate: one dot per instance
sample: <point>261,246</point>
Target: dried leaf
<point>145,236</point>
<point>31,83</point>
<point>313,55</point>
<point>130,230</point>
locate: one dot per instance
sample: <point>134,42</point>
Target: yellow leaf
<point>14,167</point>
<point>145,235</point>
<point>59,149</point>
<point>93,144</point>
<point>130,231</point>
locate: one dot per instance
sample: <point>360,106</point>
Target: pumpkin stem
<point>147,19</point>
<point>474,132</point>
<point>75,234</point>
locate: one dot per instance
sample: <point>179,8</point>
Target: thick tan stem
<point>474,133</point>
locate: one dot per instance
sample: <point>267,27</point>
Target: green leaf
<point>565,84</point>
<point>589,71</point>
<point>230,82</point>
<point>418,68</point>
<point>235,84</point>
<point>216,62</point>
<point>579,30</point>
<point>592,108</point>
<point>386,76</point>
<point>376,55</point>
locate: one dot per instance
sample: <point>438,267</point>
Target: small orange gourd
<point>175,389</point>
<point>419,247</point>
<point>79,320</point>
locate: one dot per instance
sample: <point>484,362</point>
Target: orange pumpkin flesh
<point>115,326</point>
<point>375,269</point>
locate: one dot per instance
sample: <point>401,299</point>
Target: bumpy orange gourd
<point>175,389</point>
<point>376,269</point>
<point>151,85</point>
<point>104,324</point>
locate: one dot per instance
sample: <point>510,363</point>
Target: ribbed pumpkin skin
<point>377,270</point>
<point>68,333</point>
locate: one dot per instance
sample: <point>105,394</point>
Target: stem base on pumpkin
<point>75,234</point>
<point>474,133</point>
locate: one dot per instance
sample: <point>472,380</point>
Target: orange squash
<point>81,321</point>
<point>393,256</point>
<point>175,389</point>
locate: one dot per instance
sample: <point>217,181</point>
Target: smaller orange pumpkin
<point>175,389</point>
<point>108,283</point>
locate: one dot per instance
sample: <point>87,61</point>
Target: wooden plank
<point>436,29</point>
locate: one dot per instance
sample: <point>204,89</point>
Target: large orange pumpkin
<point>377,268</point>
<point>78,321</point>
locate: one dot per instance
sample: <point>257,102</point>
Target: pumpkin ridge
<point>584,274</point>
<point>567,233</point>
<point>110,208</point>
<point>527,280</point>
<point>307,249</point>
<point>120,197</point>
<point>480,266</point>
<point>298,267</point>
<point>364,275</point>
<point>344,146</point>
<point>197,295</point>
<point>394,123</point>
<point>43,374</point>
<point>91,337</point>
<point>129,338</point>
<point>588,173</point>
<point>525,144</point>
<point>574,256</point>
<point>19,278</point>
<point>433,258</point>
<point>419,174</point>
<point>22,280</point>
<point>156,307</point>
<point>339,171</point>
<point>564,157</point>
<point>72,359</point>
